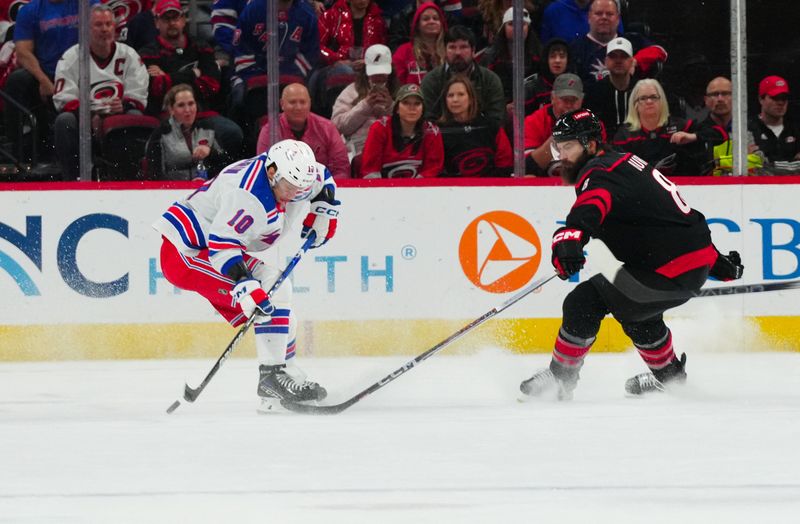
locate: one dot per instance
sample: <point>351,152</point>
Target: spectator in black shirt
<point>608,98</point>
<point>775,136</point>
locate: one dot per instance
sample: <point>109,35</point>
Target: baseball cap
<point>567,84</point>
<point>378,60</point>
<point>408,90</point>
<point>773,86</point>
<point>620,44</point>
<point>165,6</point>
<point>508,16</point>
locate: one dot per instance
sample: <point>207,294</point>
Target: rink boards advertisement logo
<point>500,252</point>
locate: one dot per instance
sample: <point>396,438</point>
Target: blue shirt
<point>564,19</point>
<point>53,28</point>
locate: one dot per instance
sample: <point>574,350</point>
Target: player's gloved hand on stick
<point>568,256</point>
<point>252,298</point>
<point>727,267</point>
<point>323,217</point>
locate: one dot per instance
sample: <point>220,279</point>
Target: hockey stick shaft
<point>191,394</point>
<point>643,294</point>
<point>338,408</point>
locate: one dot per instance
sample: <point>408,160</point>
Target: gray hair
<point>633,114</point>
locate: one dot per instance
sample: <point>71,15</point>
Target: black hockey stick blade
<point>643,294</point>
<point>312,409</point>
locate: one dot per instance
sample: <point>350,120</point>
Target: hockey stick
<point>638,292</point>
<point>338,408</point>
<point>191,394</point>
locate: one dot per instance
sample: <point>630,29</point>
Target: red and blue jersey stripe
<point>185,222</point>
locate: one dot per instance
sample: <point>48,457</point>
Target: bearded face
<point>573,157</point>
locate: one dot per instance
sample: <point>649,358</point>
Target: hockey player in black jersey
<point>665,244</point>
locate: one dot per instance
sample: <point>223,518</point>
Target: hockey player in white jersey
<point>208,238</point>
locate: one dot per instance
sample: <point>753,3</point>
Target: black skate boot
<point>558,378</point>
<point>275,385</point>
<point>673,373</point>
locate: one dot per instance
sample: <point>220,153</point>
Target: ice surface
<point>447,442</point>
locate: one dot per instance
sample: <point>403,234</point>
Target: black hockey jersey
<point>637,212</point>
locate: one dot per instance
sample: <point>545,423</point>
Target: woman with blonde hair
<point>675,146</point>
<point>414,59</point>
<point>474,146</point>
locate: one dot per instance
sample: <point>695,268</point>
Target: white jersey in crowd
<point>122,75</point>
<point>235,212</point>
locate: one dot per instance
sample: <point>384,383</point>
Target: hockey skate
<point>659,379</point>
<point>275,385</point>
<point>544,382</point>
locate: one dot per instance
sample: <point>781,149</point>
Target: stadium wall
<point>412,262</point>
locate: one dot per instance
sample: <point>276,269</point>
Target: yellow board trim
<point>332,338</point>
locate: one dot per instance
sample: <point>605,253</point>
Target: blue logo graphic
<point>30,244</point>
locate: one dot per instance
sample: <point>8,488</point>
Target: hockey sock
<point>569,352</point>
<point>659,354</point>
<point>272,338</point>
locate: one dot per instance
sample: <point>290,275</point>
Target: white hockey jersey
<point>234,213</point>
<point>122,76</point>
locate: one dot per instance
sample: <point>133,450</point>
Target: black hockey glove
<point>727,267</point>
<point>568,256</point>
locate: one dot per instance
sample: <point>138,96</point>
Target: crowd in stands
<point>377,88</point>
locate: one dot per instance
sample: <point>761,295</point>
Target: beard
<point>570,170</point>
<point>459,65</point>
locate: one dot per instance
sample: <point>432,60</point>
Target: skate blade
<point>270,406</point>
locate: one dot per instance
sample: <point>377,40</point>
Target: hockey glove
<point>323,217</point>
<point>253,300</point>
<point>568,256</point>
<point>727,267</point>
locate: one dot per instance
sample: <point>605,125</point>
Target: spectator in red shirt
<point>403,145</point>
<point>414,59</point>
<point>567,96</point>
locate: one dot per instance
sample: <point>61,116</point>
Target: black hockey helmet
<point>581,125</point>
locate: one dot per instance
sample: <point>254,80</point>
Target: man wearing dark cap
<point>774,135</point>
<point>567,95</point>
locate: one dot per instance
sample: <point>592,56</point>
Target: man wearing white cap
<point>609,97</point>
<point>366,99</point>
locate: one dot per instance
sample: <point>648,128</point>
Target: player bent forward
<point>665,244</point>
<point>208,238</point>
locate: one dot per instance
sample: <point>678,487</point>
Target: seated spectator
<point>182,143</point>
<point>414,59</point>
<point>567,95</point>
<point>493,13</point>
<point>224,19</point>
<point>608,98</point>
<point>403,145</point>
<point>124,11</point>
<point>538,87</point>
<point>299,54</point>
<point>402,22</point>
<point>297,122</point>
<point>8,58</point>
<point>460,59</point>
<point>173,58</point>
<point>589,52</point>
<point>499,58</point>
<point>44,30</point>
<point>776,137</point>
<point>366,99</point>
<point>119,85</point>
<point>473,145</point>
<point>719,100</point>
<point>346,30</point>
<point>673,145</point>
<point>567,20</point>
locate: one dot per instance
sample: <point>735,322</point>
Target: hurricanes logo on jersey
<point>500,252</point>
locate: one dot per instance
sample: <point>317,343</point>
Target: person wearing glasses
<point>675,146</point>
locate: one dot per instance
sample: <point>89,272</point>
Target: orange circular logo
<point>500,252</point>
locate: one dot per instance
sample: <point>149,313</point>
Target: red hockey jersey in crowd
<point>381,159</point>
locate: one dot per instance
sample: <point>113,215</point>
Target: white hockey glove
<point>323,217</point>
<point>249,295</point>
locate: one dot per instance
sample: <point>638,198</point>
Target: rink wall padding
<point>412,262</point>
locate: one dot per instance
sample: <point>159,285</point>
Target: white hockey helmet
<point>293,161</point>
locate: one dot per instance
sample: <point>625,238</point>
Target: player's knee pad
<point>583,310</point>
